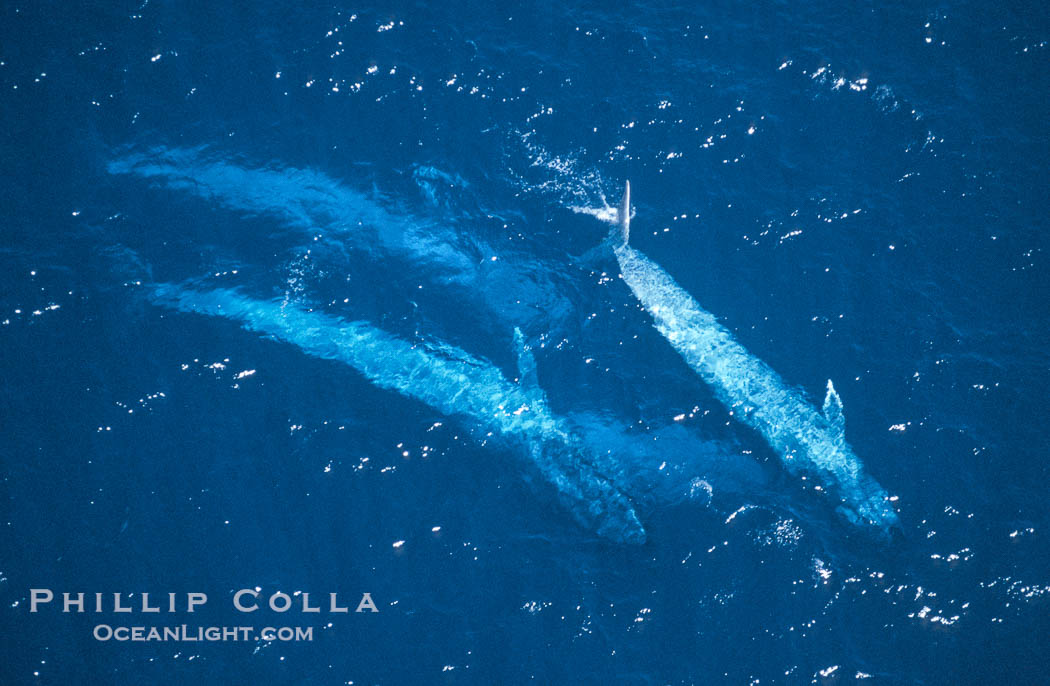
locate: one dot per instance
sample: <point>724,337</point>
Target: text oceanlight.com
<point>137,617</point>
<point>185,633</point>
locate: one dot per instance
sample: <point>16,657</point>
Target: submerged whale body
<point>804,438</point>
<point>447,379</point>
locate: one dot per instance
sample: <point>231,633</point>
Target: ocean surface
<point>857,191</point>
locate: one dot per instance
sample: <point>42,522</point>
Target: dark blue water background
<point>857,190</point>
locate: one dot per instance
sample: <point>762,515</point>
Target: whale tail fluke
<point>623,213</point>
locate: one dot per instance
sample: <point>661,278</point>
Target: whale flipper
<point>833,410</point>
<point>527,377</point>
<point>623,213</point>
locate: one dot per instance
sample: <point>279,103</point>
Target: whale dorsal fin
<point>623,213</point>
<point>833,409</point>
<point>527,378</point>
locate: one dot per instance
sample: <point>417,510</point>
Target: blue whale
<point>448,379</point>
<point>806,440</point>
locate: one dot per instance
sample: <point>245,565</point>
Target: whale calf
<point>804,439</point>
<point>448,379</point>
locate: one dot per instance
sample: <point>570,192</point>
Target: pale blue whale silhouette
<point>447,379</point>
<point>334,216</point>
<point>805,439</point>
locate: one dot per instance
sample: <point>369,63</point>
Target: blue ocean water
<point>858,192</point>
